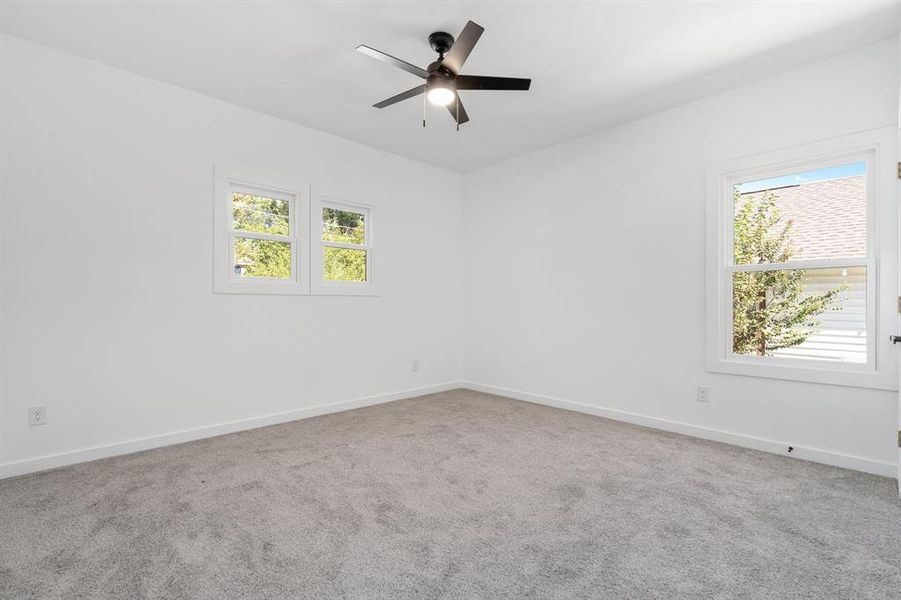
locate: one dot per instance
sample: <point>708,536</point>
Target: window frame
<point>876,149</point>
<point>297,193</point>
<point>340,200</point>
<point>291,238</point>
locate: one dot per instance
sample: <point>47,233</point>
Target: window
<point>343,259</point>
<point>343,238</point>
<point>793,287</point>
<point>262,240</point>
<point>262,234</point>
<point>271,239</point>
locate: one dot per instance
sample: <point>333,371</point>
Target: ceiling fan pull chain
<point>423,109</point>
<point>458,112</point>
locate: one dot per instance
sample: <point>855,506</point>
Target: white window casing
<point>878,148</point>
<point>341,200</point>
<point>305,204</point>
<point>296,192</point>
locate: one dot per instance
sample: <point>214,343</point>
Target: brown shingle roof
<point>829,218</point>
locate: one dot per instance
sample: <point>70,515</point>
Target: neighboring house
<point>829,221</point>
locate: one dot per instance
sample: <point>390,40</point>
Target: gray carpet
<point>454,495</point>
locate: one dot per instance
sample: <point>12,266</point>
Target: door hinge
<point>899,438</point>
<point>899,170</point>
<point>899,304</point>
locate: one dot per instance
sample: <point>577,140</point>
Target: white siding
<point>842,335</point>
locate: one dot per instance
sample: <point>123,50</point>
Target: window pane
<point>343,226</point>
<point>803,314</point>
<point>260,213</point>
<point>808,215</point>
<point>344,264</point>
<point>262,258</point>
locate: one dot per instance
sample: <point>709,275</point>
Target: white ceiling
<point>593,64</point>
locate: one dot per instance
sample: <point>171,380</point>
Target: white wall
<point>108,313</point>
<point>585,267</point>
<point>131,344</point>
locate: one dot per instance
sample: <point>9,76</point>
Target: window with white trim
<point>795,277</point>
<point>276,234</point>
<point>261,233</point>
<point>262,239</point>
<point>343,257</point>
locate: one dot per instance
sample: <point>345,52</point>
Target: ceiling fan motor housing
<point>441,42</point>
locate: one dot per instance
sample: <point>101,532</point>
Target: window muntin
<point>345,232</point>
<point>798,266</point>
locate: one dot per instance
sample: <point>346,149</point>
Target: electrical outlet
<point>37,415</point>
<point>415,367</point>
<point>703,394</point>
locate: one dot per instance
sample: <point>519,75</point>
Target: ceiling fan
<point>443,80</point>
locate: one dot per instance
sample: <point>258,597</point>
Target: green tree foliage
<point>270,258</point>
<point>344,264</point>
<point>261,258</point>
<point>770,309</point>
<point>343,226</point>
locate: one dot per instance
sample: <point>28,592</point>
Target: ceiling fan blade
<point>459,52</point>
<point>401,96</point>
<point>461,116</point>
<point>477,82</point>
<point>391,60</point>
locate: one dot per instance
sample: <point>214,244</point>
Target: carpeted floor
<point>454,495</point>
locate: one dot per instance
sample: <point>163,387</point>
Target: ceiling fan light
<point>441,96</point>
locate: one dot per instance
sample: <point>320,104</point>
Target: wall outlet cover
<point>37,415</point>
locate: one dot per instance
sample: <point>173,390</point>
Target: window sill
<point>260,288</point>
<point>291,289</point>
<point>821,374</point>
<point>337,289</point>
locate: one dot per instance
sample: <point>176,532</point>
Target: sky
<point>858,168</point>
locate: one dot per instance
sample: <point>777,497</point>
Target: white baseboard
<point>52,461</point>
<point>836,459</point>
